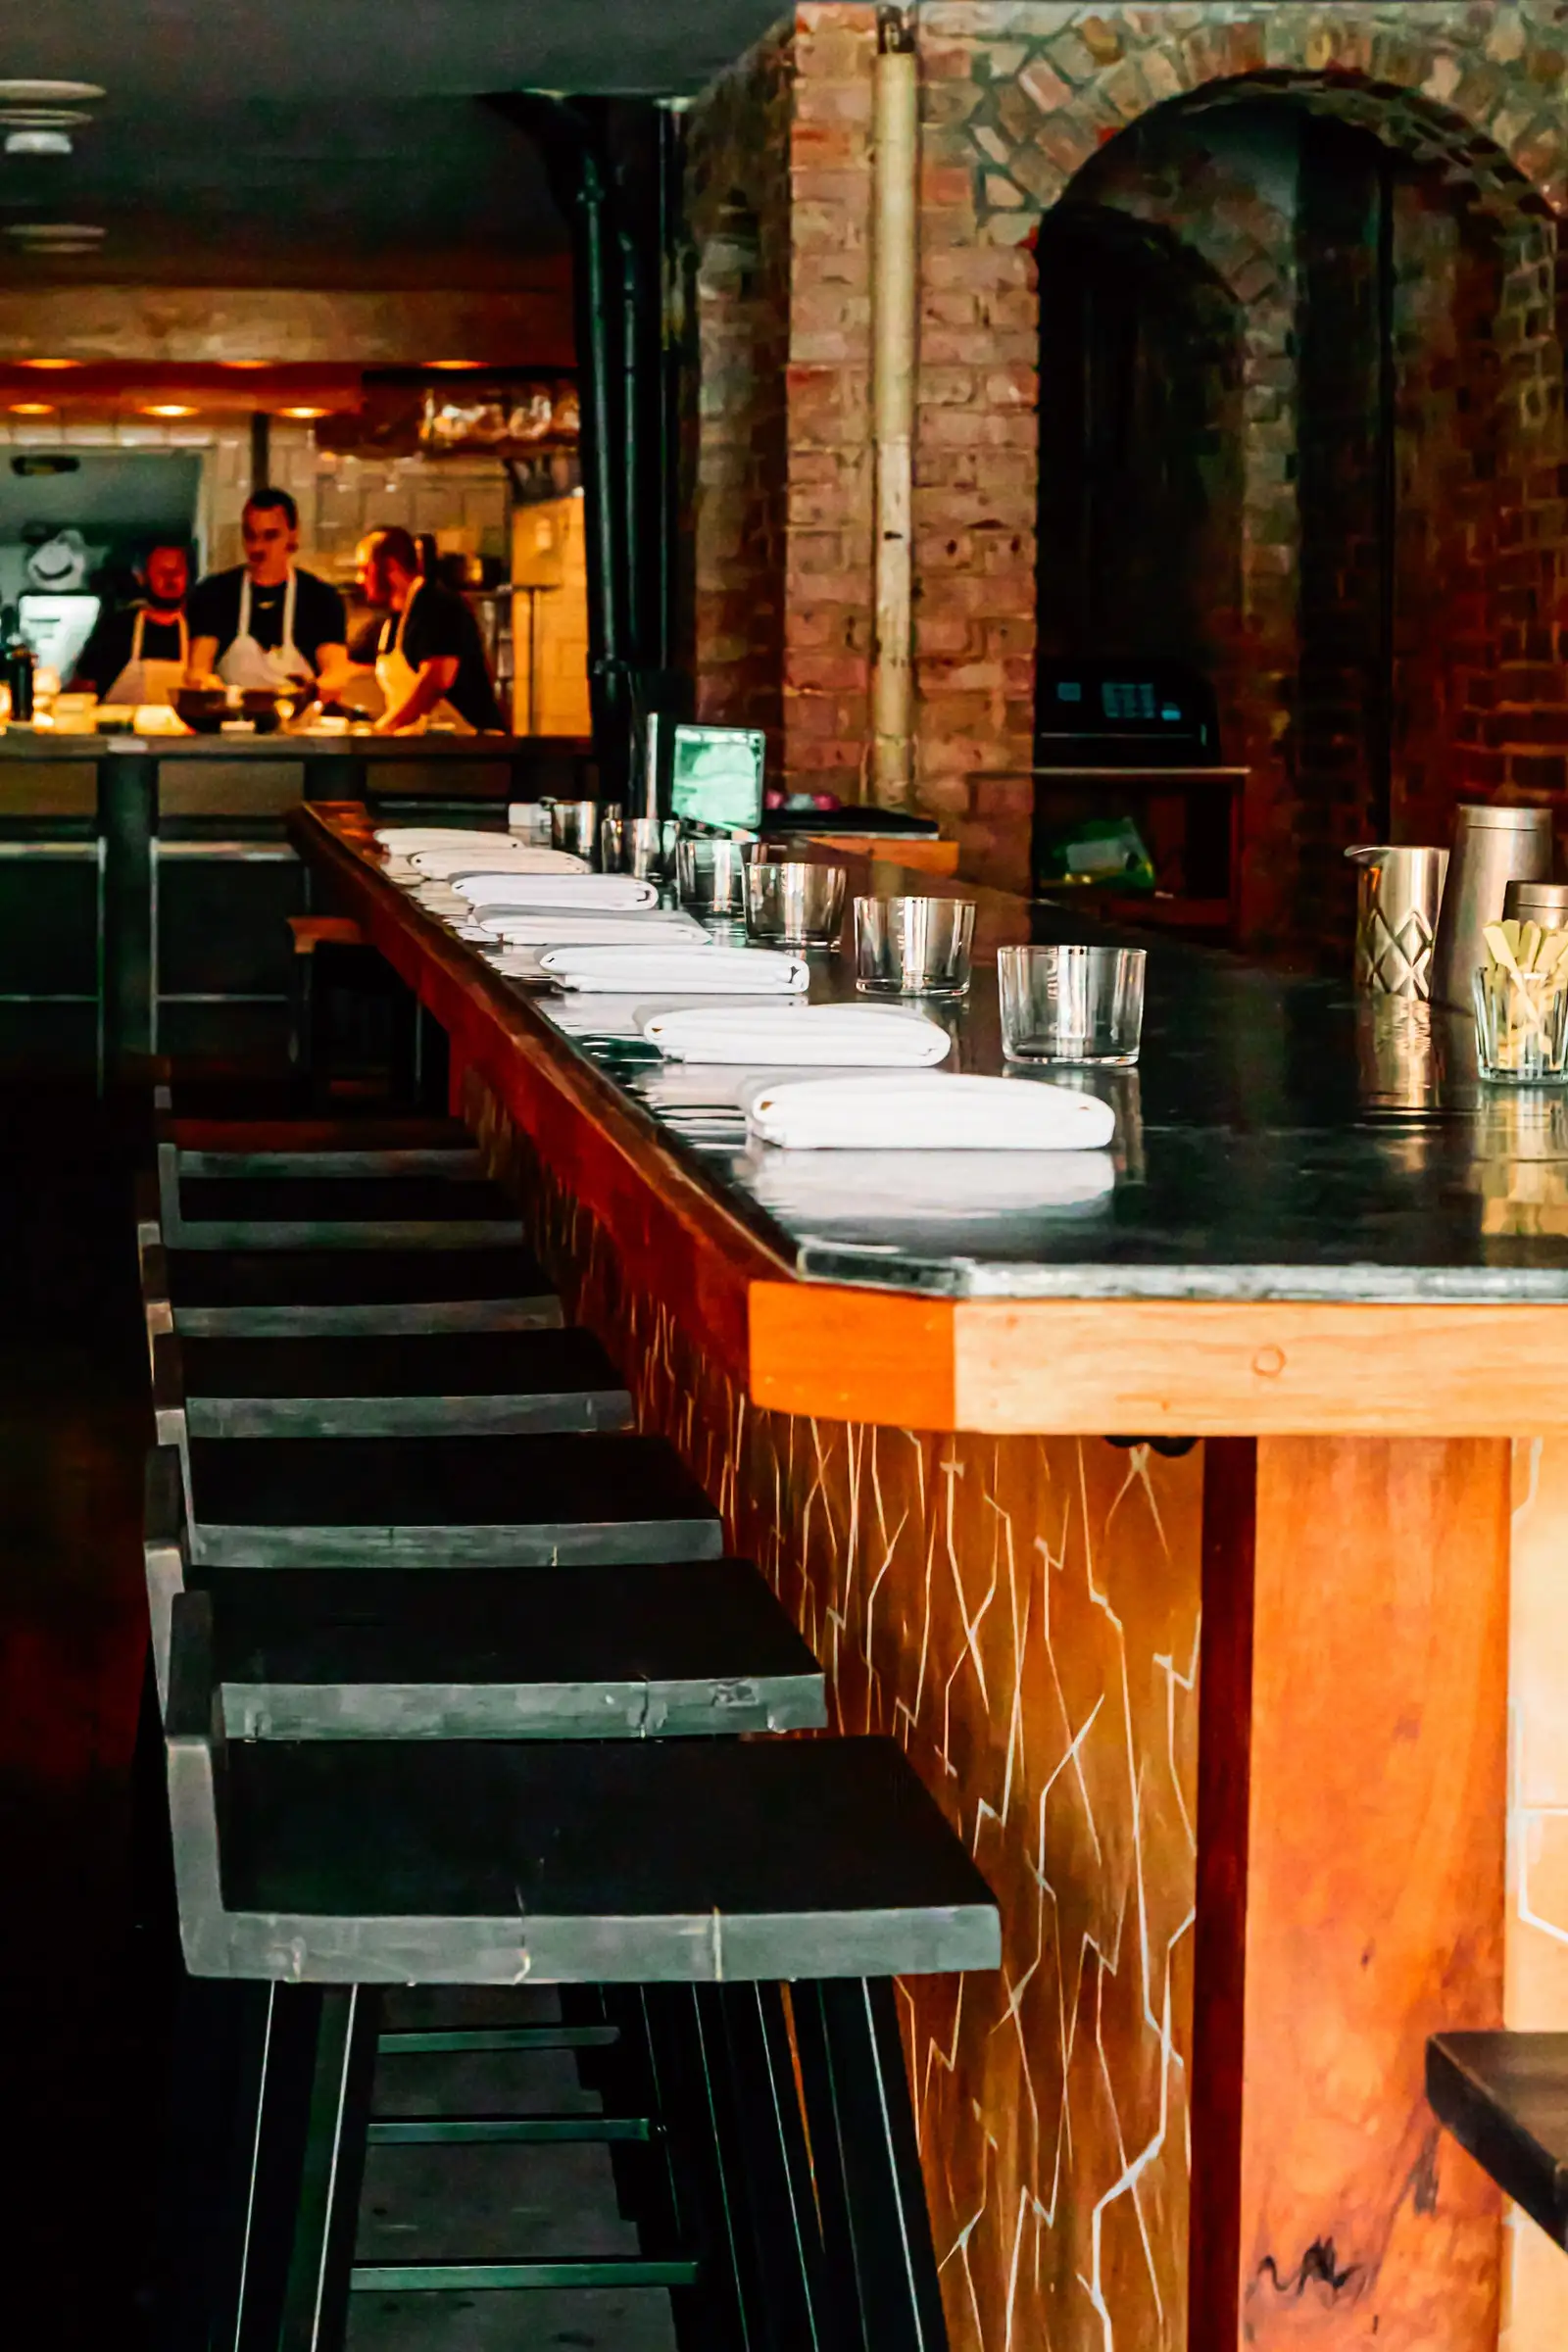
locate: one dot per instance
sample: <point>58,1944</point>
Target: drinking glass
<point>712,876</point>
<point>913,947</point>
<point>611,841</point>
<point>793,902</point>
<point>1083,1004</point>
<point>643,850</point>
<point>1521,1031</point>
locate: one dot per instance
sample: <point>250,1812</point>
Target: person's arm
<point>204,623</point>
<point>333,670</point>
<point>97,667</point>
<point>434,683</point>
<point>202,661</point>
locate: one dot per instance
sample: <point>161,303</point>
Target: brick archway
<point>1024,109</point>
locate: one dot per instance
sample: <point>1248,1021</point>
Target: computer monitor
<point>716,776</point>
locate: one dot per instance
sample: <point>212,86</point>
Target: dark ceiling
<point>327,142</point>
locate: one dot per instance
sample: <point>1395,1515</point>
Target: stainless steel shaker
<point>1492,846</point>
<point>1398,895</point>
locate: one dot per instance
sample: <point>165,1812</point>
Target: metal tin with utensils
<point>1543,903</point>
<point>1491,848</point>
<point>1398,895</point>
<point>574,827</point>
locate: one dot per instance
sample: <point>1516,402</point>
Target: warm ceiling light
<point>245,362</point>
<point>49,362</point>
<point>31,408</point>
<point>48,93</point>
<point>455,362</point>
<point>168,408</point>
<point>304,415</point>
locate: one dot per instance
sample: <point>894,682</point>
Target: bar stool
<point>696,1877</point>
<point>443,1501</point>
<point>594,1650</point>
<point>495,1383</point>
<point>453,1207</point>
<point>291,1293</point>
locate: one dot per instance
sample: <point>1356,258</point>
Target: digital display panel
<point>716,776</point>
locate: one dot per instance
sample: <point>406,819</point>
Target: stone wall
<point>1031,109</point>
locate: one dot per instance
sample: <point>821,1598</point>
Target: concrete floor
<point>84,1997</point>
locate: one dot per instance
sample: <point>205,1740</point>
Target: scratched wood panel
<point>1022,1614</point>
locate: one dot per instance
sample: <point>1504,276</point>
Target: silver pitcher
<point>1492,847</point>
<point>1398,895</point>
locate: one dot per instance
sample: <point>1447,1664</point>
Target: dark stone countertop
<point>1280,1137</point>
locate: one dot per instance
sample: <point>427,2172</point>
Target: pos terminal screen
<point>716,776</point>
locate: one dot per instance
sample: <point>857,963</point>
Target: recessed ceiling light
<point>244,363</point>
<point>37,142</point>
<point>168,408</point>
<point>31,408</point>
<point>53,232</point>
<point>455,362</point>
<point>49,363</point>
<point>48,93</point>
<point>303,413</point>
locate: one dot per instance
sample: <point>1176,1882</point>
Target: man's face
<point>374,585</point>
<point>168,575</point>
<point>269,544</point>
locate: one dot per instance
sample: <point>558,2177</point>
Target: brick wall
<point>1025,105</point>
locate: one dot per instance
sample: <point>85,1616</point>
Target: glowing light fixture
<point>50,364</point>
<point>304,415</point>
<point>31,408</point>
<point>244,363</point>
<point>168,408</point>
<point>455,364</point>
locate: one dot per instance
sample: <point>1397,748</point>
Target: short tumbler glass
<point>793,904</point>
<point>1521,1031</point>
<point>1079,1004</point>
<point>712,876</point>
<point>913,947</point>
<point>574,827</point>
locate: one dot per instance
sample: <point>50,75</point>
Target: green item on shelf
<point>1096,851</point>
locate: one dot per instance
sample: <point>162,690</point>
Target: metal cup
<point>1543,903</point>
<point>1398,896</point>
<point>643,850</point>
<point>792,902</point>
<point>913,947</point>
<point>574,827</point>
<point>1493,846</point>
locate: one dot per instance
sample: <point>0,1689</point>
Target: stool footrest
<point>461,2131</point>
<point>449,2041</point>
<point>467,2277</point>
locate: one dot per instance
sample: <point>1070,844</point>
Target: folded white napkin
<point>408,838</point>
<point>524,886</point>
<point>931,1113</point>
<point>807,1036</point>
<point>869,1191</point>
<point>600,1015</point>
<point>658,971</point>
<point>532,927</point>
<point>499,857</point>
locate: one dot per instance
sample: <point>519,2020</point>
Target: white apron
<point>397,678</point>
<point>144,681</point>
<point>270,668</point>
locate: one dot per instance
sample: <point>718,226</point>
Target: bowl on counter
<point>208,709</point>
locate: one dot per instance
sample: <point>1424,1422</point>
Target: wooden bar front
<point>1241,1880</point>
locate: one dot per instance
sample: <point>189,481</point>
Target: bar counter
<point>145,879</point>
<point>1240,1884</point>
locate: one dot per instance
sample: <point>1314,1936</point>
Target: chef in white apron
<point>267,623</point>
<point>430,662</point>
<point>116,662</point>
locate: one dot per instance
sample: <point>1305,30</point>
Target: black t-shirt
<point>441,627</point>
<point>319,617</point>
<point>109,648</point>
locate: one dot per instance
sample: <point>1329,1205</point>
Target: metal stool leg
<point>875,2225</point>
<point>316,2304</point>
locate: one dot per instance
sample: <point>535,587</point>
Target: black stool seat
<point>591,1652</point>
<point>499,1382</point>
<point>445,1502</point>
<point>368,1213</point>
<point>365,1138</point>
<point>1504,2097</point>
<point>566,1861</point>
<point>294,1293</point>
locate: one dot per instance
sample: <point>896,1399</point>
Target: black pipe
<point>1381,716</point>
